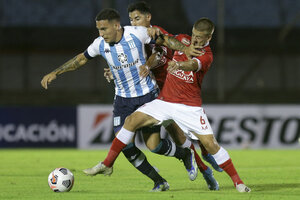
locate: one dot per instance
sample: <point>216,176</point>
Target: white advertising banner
<point>255,126</point>
<point>235,126</point>
<point>95,128</point>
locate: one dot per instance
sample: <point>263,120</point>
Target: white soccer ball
<point>61,180</point>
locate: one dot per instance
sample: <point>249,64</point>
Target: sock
<point>186,144</point>
<point>201,165</point>
<point>168,148</point>
<point>113,153</point>
<point>138,159</point>
<point>223,160</point>
<point>123,138</point>
<point>203,150</point>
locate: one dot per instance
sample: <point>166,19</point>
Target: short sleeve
<point>93,50</point>
<point>141,33</point>
<point>204,61</point>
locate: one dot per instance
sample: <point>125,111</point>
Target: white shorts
<point>191,119</point>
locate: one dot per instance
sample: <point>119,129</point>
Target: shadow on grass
<point>254,188</point>
<point>267,187</point>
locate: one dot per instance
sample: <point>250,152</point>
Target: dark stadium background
<point>256,49</point>
<point>256,45</point>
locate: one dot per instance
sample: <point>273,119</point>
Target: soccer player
<point>180,100</point>
<point>123,49</point>
<point>140,15</point>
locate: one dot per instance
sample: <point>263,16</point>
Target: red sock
<point>199,162</point>
<point>114,151</point>
<point>230,170</point>
<point>203,150</point>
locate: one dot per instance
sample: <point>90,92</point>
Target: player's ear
<point>117,26</point>
<point>148,17</point>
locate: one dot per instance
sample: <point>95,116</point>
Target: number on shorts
<point>202,121</point>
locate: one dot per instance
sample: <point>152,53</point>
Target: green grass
<point>271,174</point>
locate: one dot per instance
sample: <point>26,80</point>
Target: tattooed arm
<point>71,65</point>
<point>174,44</point>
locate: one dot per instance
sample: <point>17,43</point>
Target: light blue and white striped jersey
<point>124,59</point>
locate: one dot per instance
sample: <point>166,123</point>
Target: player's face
<point>199,38</point>
<point>139,19</point>
<point>108,30</point>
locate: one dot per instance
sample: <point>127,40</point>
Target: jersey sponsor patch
<point>188,77</point>
<point>122,58</point>
<point>117,121</point>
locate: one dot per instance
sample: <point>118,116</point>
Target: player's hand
<point>153,32</point>
<point>108,75</point>
<point>48,79</point>
<point>173,66</point>
<point>144,70</point>
<point>193,51</point>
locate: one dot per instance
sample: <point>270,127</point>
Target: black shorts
<point>123,107</point>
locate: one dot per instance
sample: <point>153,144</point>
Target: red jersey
<point>184,87</point>
<point>160,71</point>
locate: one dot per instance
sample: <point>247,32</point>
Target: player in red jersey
<point>139,15</point>
<point>180,100</point>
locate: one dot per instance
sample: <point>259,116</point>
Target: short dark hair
<point>141,6</point>
<point>108,14</point>
<point>204,25</point>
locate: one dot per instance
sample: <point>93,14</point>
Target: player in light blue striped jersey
<point>123,49</point>
<point>124,59</point>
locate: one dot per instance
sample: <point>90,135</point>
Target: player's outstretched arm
<point>71,65</point>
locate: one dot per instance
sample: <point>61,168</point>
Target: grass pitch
<point>271,174</point>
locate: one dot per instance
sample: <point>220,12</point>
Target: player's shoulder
<point>184,39</point>
<point>134,29</point>
<point>162,30</point>
<point>98,40</point>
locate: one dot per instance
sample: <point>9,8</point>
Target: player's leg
<point>169,148</point>
<point>208,157</point>
<point>179,137</point>
<point>223,160</point>
<point>123,108</point>
<point>193,121</point>
<point>138,159</point>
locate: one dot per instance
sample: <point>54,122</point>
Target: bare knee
<point>132,122</point>
<point>210,143</point>
<point>152,140</point>
<point>176,133</point>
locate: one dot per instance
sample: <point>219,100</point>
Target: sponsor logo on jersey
<point>126,65</point>
<point>188,77</point>
<point>122,58</point>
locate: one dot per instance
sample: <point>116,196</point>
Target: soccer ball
<point>61,180</point>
